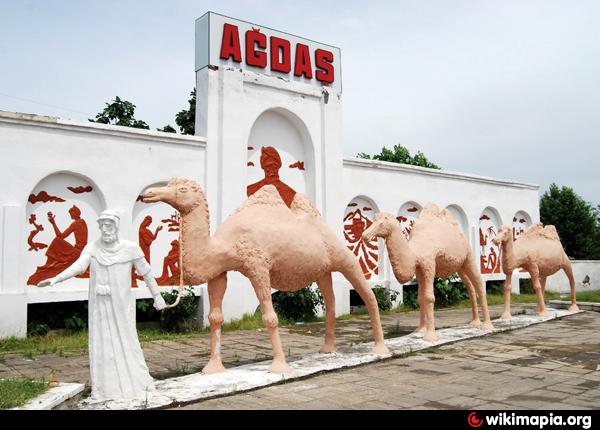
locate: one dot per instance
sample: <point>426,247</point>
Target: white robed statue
<point>118,369</point>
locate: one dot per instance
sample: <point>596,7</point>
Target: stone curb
<point>584,306</point>
<point>53,397</point>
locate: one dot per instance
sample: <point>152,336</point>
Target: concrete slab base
<point>190,388</point>
<point>54,396</point>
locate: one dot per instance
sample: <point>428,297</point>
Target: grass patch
<point>16,392</point>
<point>587,296</point>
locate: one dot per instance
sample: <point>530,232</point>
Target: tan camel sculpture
<point>539,251</point>
<point>274,247</point>
<point>436,248</point>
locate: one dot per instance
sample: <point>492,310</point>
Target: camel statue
<point>274,247</point>
<point>436,248</point>
<point>539,251</point>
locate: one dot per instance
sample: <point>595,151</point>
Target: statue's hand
<point>159,303</point>
<point>47,283</point>
<point>159,228</point>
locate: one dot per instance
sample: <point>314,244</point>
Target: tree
<point>186,118</point>
<point>167,129</point>
<point>120,112</point>
<point>400,154</point>
<point>574,219</point>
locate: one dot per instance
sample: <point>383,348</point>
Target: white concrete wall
<point>120,162</point>
<point>559,282</point>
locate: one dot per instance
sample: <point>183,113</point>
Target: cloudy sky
<point>507,89</point>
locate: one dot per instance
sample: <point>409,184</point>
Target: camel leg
<point>506,314</point>
<point>543,285</point>
<point>216,291</point>
<point>569,272</point>
<point>475,321</point>
<point>421,327</point>
<point>355,276</point>
<point>325,285</point>
<point>537,286</point>
<point>428,301</point>
<point>262,287</point>
<point>474,276</point>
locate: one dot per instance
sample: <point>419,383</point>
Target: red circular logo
<point>473,420</point>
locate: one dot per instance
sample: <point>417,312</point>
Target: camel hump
<point>302,205</point>
<point>538,230</point>
<point>266,196</point>
<point>431,210</point>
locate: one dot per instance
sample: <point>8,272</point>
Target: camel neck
<point>508,255</point>
<point>401,256</point>
<point>195,227</point>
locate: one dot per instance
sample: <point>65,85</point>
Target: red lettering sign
<point>280,54</point>
<point>253,57</point>
<point>230,45</point>
<point>302,64</point>
<point>324,61</point>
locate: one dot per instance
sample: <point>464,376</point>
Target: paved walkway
<point>552,365</point>
<point>166,358</point>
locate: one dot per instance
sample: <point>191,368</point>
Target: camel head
<point>183,194</point>
<point>381,227</point>
<point>504,234</point>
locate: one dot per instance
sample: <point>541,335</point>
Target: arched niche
<point>281,140</point>
<point>520,222</point>
<point>61,216</point>
<point>358,216</point>
<point>460,216</point>
<point>489,254</point>
<point>156,227</point>
<point>407,214</point>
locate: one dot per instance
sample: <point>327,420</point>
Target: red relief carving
<point>173,222</point>
<point>352,205</point>
<point>367,209</point>
<point>61,254</point>
<point>484,217</point>
<point>412,209</point>
<point>355,223</point>
<point>145,239</point>
<point>43,197</point>
<point>270,162</point>
<point>80,190</point>
<point>406,225</point>
<point>250,164</point>
<point>170,264</point>
<point>297,165</point>
<point>251,148</point>
<point>35,246</point>
<point>489,259</point>
<point>140,198</point>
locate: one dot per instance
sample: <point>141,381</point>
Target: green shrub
<point>182,317</point>
<point>525,286</point>
<point>37,329</point>
<point>298,305</point>
<point>448,291</point>
<point>385,297</point>
<point>75,323</point>
<point>145,310</point>
<point>55,315</point>
<point>410,297</point>
<point>494,287</point>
